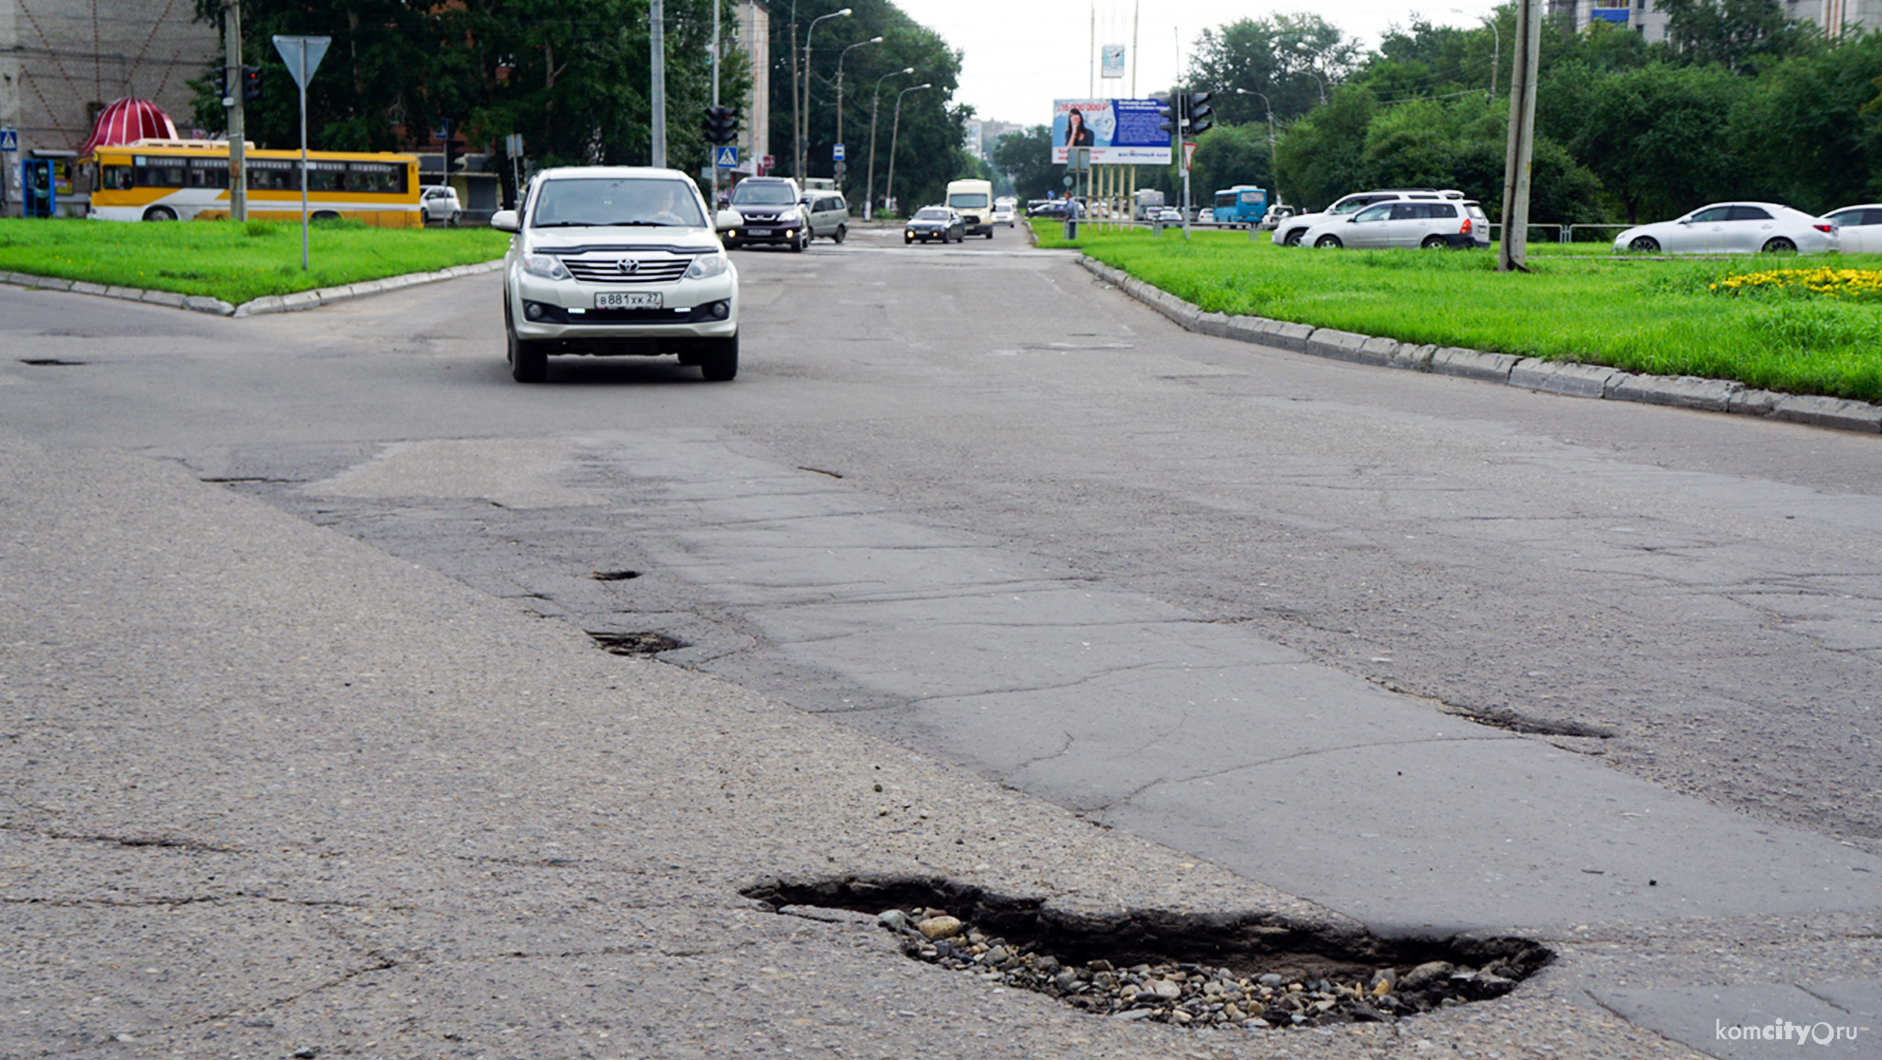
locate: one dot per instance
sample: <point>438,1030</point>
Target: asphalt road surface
<point>1436,654</point>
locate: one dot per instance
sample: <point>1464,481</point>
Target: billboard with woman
<point>1118,131</point>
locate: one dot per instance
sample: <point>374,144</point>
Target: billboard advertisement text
<point>1118,131</point>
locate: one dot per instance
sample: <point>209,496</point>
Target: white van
<point>974,200</point>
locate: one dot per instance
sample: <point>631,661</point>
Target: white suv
<point>1289,231</point>
<point>616,260</point>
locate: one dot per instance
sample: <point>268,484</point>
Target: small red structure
<point>127,120</point>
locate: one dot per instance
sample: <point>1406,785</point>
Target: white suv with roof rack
<point>618,260</point>
<point>1288,233</point>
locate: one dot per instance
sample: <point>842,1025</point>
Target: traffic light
<point>721,125</point>
<point>251,84</point>
<point>1168,112</point>
<point>1199,111</point>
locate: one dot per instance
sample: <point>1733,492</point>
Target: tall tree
<point>1740,35</point>
<point>1657,138</point>
<point>1288,58</point>
<point>1026,159</point>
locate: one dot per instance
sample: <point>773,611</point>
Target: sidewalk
<point>270,792</point>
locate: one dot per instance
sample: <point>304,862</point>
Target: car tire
<point>802,241</point>
<point>1434,243</point>
<point>1780,245</point>
<point>1644,245</point>
<point>842,231</point>
<point>159,213</point>
<point>528,362</point>
<point>1292,239</point>
<point>720,363</point>
<point>452,221</point>
<point>989,231</point>
<point>1328,242</point>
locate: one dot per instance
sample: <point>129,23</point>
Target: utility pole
<point>1517,163</point>
<point>232,85</point>
<point>657,20</point>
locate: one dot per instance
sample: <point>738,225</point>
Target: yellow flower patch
<point>1862,285</point>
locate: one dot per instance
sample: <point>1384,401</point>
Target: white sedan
<point>1859,228</point>
<point>1733,228</point>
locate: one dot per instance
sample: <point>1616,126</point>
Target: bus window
<point>208,172</point>
<point>326,176</point>
<point>156,171</point>
<point>383,178</point>
<point>270,174</point>
<point>116,178</point>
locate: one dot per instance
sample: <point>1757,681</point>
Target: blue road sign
<point>9,139</point>
<point>839,152</point>
<point>725,157</point>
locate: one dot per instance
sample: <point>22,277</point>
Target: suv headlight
<point>545,265</point>
<point>706,266</point>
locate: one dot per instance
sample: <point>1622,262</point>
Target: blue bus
<point>1243,204</point>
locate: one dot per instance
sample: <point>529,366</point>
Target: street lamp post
<point>802,132</point>
<point>1270,106</point>
<point>875,101</point>
<point>895,127</point>
<point>1302,48</point>
<point>839,93</point>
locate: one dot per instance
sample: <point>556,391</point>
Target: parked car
<point>826,215</point>
<point>1048,208</point>
<point>1859,228</point>
<point>1275,215</point>
<point>935,222</point>
<point>1290,231</point>
<point>617,260</point>
<point>1168,215</point>
<point>438,202</point>
<point>1733,228</point>
<point>1003,214</point>
<point>772,214</point>
<point>1423,223</point>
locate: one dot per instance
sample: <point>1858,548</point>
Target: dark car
<point>935,222</point>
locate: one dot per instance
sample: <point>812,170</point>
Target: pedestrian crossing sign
<point>9,139</point>
<point>725,157</point>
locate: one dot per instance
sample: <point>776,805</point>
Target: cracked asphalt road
<point>1225,598</point>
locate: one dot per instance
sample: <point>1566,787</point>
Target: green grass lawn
<point>231,261</point>
<point>1578,303</point>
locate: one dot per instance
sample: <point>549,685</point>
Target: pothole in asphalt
<point>1513,722</point>
<point>1251,970</point>
<point>614,575</point>
<point>50,362</point>
<point>647,643</point>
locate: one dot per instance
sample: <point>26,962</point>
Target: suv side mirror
<point>505,221</point>
<point>725,220</point>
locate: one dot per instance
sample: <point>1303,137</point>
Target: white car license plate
<point>629,300</point>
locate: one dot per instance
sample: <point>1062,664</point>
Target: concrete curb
<point>1566,378</point>
<point>312,299</point>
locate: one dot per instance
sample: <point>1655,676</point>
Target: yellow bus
<point>184,180</point>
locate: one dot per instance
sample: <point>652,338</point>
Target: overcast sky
<point>1020,56</point>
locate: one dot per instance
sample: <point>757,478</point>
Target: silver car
<point>1733,228</point>
<point>1433,225</point>
<point>618,260</point>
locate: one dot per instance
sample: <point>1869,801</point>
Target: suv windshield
<point>606,201</point>
<point>749,194</point>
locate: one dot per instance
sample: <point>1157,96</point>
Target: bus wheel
<point>159,213</point>
<point>324,215</point>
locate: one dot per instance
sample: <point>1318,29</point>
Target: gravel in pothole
<point>1194,994</point>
